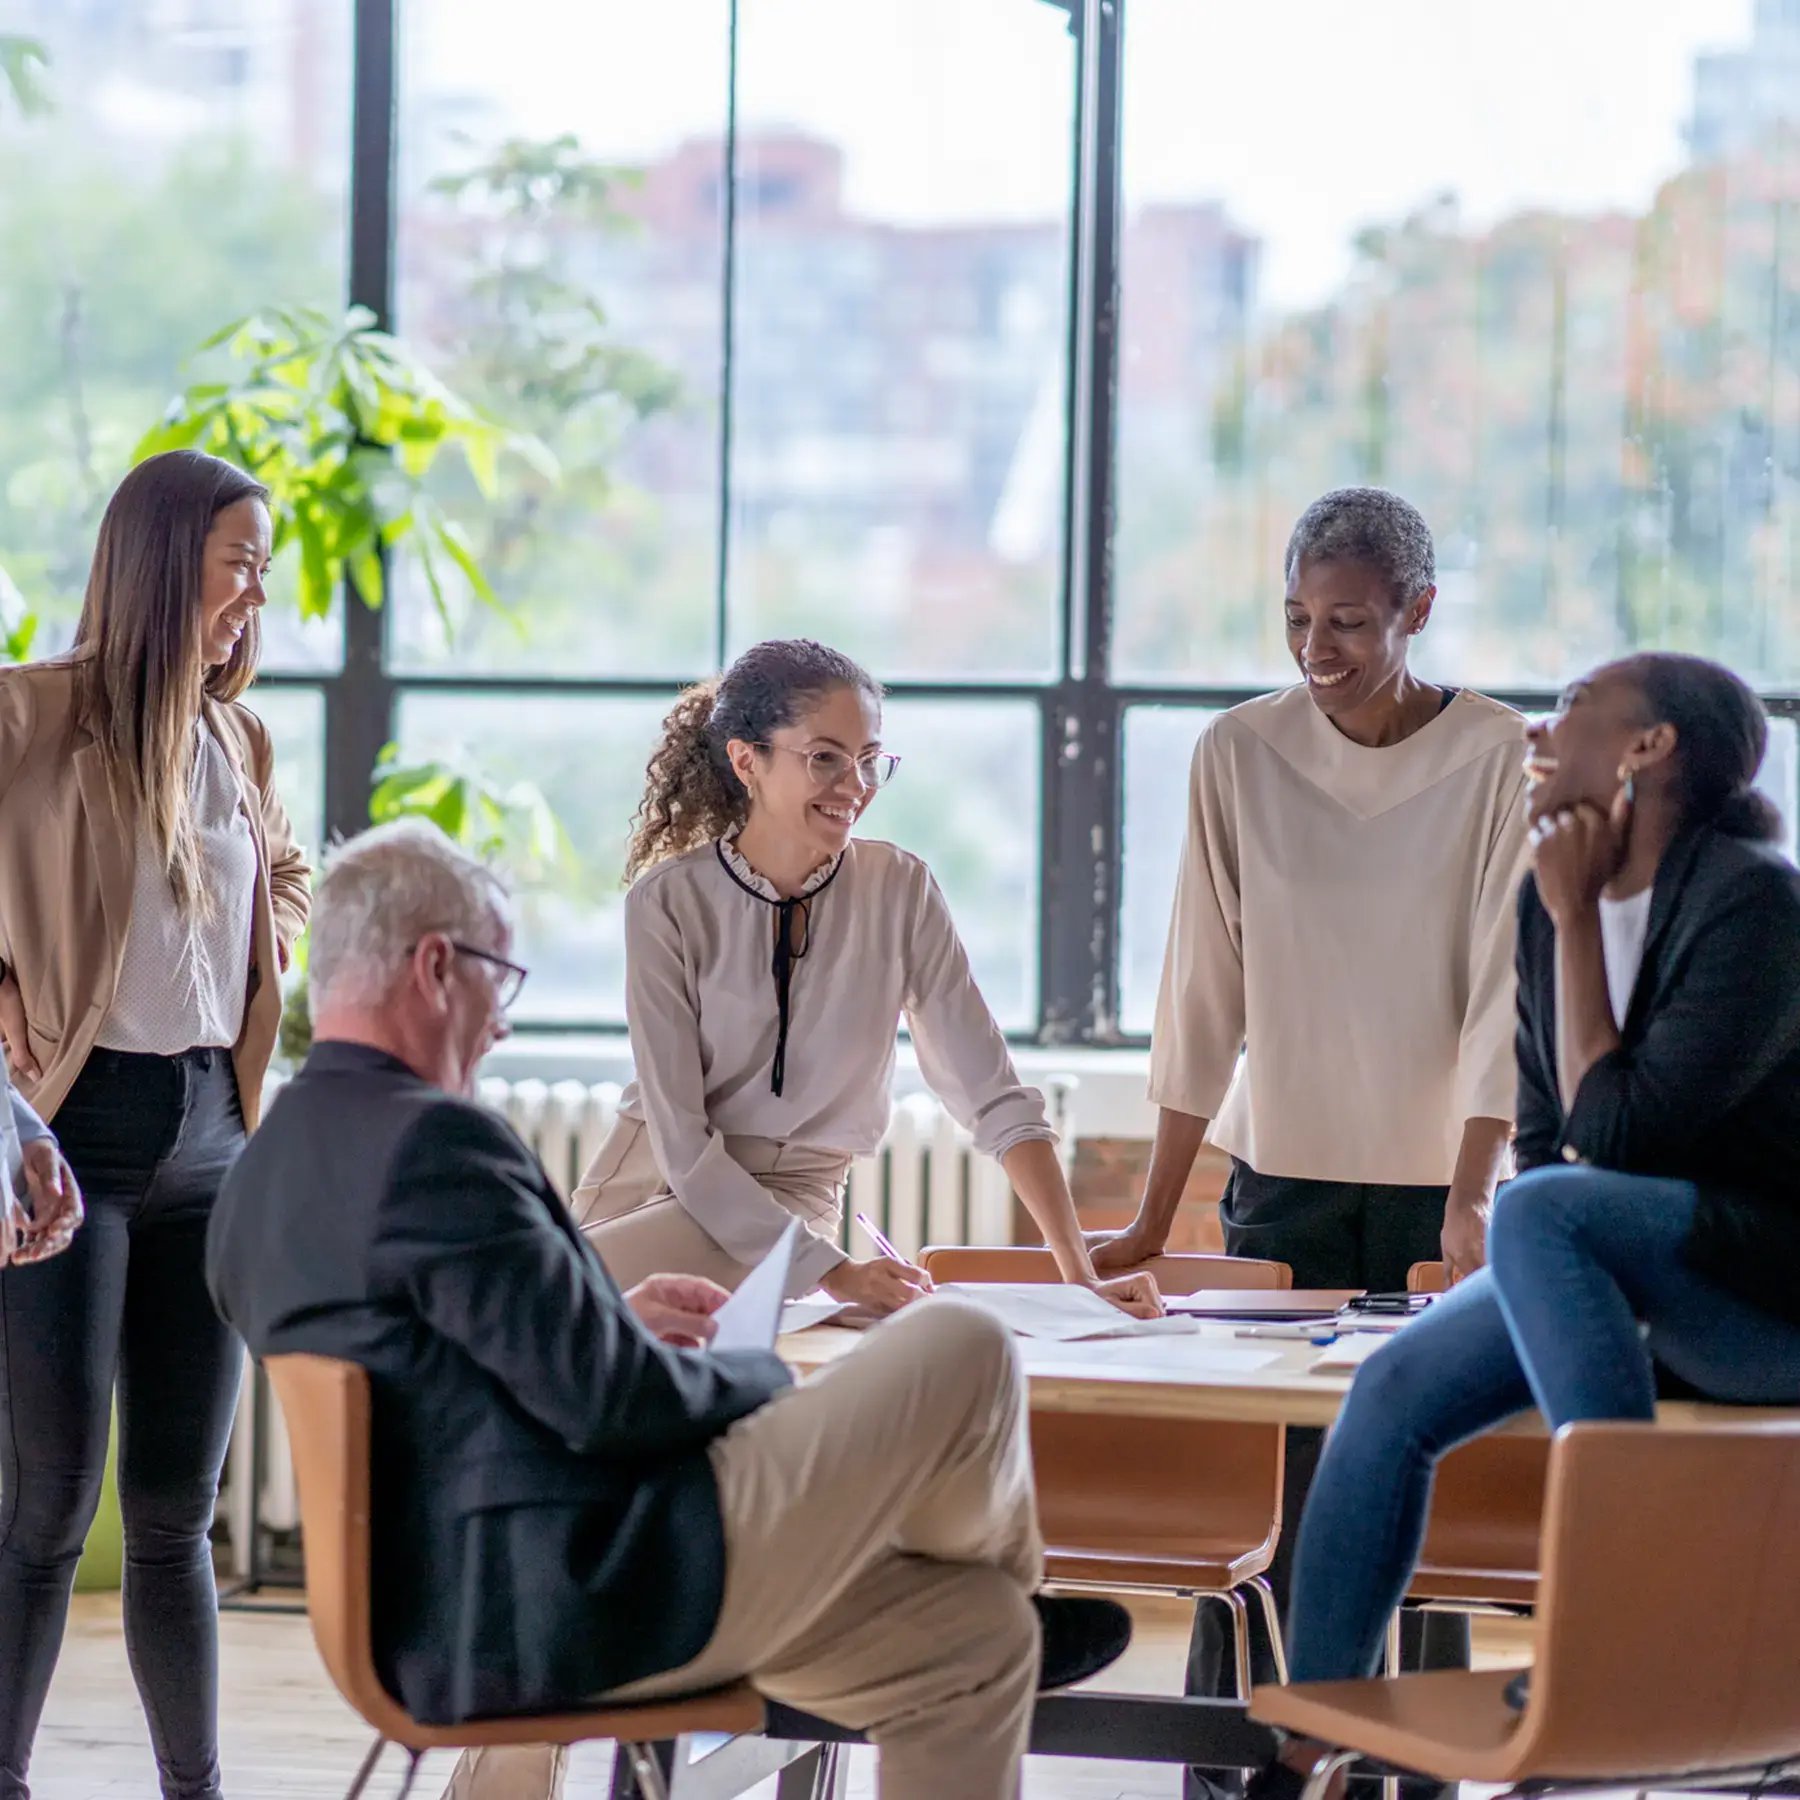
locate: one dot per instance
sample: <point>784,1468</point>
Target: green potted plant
<point>510,822</point>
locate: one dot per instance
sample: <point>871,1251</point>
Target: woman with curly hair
<point>769,958</point>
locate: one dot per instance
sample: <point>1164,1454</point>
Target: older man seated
<point>573,1496</point>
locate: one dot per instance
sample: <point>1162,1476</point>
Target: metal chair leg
<point>1324,1772</point>
<point>1240,1631</point>
<point>366,1769</point>
<point>1393,1646</point>
<point>646,1766</point>
<point>1272,1618</point>
<point>834,1772</point>
<point>415,1757</point>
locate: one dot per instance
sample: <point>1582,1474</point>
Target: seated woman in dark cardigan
<point>1657,1218</point>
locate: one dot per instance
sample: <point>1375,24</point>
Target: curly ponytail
<point>1721,733</point>
<point>691,794</point>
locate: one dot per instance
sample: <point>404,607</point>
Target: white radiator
<point>924,1185</point>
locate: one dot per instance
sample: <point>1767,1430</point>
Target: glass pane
<point>296,721</point>
<point>189,167</point>
<point>898,376</point>
<point>1781,778</point>
<point>1159,746</point>
<point>968,798</point>
<point>587,756</point>
<point>1570,333</point>
<point>561,261</point>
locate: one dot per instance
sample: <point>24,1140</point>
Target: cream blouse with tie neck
<point>1344,918</point>
<point>700,1001</point>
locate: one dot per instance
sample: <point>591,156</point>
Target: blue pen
<point>876,1238</point>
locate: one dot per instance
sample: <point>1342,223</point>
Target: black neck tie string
<point>787,953</point>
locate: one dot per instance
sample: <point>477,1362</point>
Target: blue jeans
<point>1577,1258</point>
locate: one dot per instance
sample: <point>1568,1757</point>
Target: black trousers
<point>1333,1235</point>
<point>150,1139</point>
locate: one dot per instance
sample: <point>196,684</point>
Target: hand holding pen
<point>882,1285</point>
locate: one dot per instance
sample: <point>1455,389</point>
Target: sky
<point>1305,117</point>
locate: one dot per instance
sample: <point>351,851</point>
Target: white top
<point>1344,917</point>
<point>701,1005</point>
<point>1624,924</point>
<point>184,980</point>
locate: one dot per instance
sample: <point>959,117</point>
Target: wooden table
<point>1148,1378</point>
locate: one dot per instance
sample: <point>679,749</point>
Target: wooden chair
<point>1153,1505</point>
<point>1487,1504</point>
<point>1668,1634</point>
<point>326,1405</point>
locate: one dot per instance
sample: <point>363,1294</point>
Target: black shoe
<point>1082,1636</point>
<point>1518,1690</point>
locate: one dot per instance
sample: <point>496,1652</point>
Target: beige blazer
<point>68,856</point>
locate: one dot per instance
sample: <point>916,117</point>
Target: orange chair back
<point>1147,1502</point>
<point>326,1406</point>
<point>1487,1505</point>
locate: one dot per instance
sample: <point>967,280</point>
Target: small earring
<point>1628,783</point>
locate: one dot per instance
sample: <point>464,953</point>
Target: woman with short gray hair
<point>1337,994</point>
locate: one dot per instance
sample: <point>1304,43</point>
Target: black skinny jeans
<point>150,1139</point>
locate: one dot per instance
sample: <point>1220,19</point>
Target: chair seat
<point>1446,1723</point>
<point>1209,1567</point>
<point>735,1710</point>
<point>1495,1587</point>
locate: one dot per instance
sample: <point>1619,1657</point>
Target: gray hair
<point>382,891</point>
<point>1370,526</point>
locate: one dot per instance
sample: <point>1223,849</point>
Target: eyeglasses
<point>828,767</point>
<point>507,983</point>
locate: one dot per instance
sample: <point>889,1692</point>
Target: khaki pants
<point>638,1228</point>
<point>881,1553</point>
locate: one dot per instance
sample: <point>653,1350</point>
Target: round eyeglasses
<point>828,767</point>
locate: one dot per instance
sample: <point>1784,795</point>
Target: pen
<point>876,1238</point>
<point>1314,1334</point>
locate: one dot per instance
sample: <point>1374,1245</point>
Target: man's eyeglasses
<point>828,767</point>
<point>509,980</point>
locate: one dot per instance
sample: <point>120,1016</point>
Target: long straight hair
<point>139,680</point>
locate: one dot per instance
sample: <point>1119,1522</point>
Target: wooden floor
<point>288,1737</point>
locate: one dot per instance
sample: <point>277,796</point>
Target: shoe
<point>1518,1690</point>
<point>1082,1636</point>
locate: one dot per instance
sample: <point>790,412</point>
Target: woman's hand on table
<point>1116,1252</point>
<point>1136,1294</point>
<point>883,1284</point>
<point>1464,1240</point>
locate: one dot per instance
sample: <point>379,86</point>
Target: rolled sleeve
<point>30,1128</point>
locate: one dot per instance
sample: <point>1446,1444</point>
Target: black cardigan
<point>1705,1083</point>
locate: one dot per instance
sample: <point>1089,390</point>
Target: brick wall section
<point>1109,1177</point>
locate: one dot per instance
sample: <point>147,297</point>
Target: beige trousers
<point>638,1228</point>
<point>881,1552</point>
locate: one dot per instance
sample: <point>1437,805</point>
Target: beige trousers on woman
<point>639,1228</point>
<point>881,1550</point>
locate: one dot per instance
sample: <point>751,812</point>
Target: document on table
<point>1061,1314</point>
<point>816,1309</point>
<point>751,1318</point>
<point>1349,1352</point>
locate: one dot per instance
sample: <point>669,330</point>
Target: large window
<point>999,342</point>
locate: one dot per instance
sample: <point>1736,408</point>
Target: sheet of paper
<point>1186,1355</point>
<point>1348,1352</point>
<point>1061,1314</point>
<point>751,1318</point>
<point>816,1309</point>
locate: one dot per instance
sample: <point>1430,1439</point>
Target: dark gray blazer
<point>1705,1084</point>
<point>546,1524</point>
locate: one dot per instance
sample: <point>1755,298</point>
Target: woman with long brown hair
<point>150,890</point>
<point>770,955</point>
